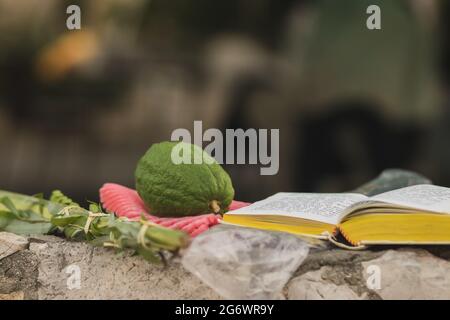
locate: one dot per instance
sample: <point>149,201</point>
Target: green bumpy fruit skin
<point>175,190</point>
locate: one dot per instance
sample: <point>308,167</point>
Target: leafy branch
<point>22,214</point>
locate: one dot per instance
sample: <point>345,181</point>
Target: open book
<point>418,214</point>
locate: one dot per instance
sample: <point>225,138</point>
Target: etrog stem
<point>214,205</point>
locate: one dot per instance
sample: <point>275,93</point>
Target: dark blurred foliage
<point>189,22</point>
<point>445,42</point>
<point>376,145</point>
<point>78,108</point>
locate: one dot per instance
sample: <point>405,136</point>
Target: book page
<point>424,197</point>
<point>323,207</point>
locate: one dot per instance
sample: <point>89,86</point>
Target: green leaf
<point>26,228</point>
<point>9,205</point>
<point>58,197</point>
<point>62,221</point>
<point>149,255</point>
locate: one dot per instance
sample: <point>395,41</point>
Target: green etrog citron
<point>197,185</point>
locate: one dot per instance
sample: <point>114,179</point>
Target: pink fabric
<point>125,202</point>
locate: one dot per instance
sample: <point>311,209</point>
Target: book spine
<point>337,243</point>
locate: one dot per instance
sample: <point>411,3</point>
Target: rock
<point>74,270</point>
<point>312,286</point>
<point>19,295</point>
<point>412,274</point>
<point>11,243</point>
<point>18,273</point>
<point>54,268</point>
<point>404,273</point>
<point>331,273</point>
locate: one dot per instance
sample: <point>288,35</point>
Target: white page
<point>424,197</point>
<point>323,207</point>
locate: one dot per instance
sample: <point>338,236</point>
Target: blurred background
<point>79,108</point>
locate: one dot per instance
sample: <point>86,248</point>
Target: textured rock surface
<point>11,243</point>
<point>314,286</point>
<point>412,275</point>
<point>402,273</point>
<point>47,268</point>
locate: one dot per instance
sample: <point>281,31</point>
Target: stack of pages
<point>418,214</point>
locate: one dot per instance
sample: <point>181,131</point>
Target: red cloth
<point>125,202</point>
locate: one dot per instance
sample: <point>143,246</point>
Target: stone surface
<point>18,273</point>
<point>404,273</point>
<point>416,274</point>
<point>103,274</point>
<point>11,243</point>
<point>313,286</point>
<point>331,273</point>
<point>48,269</point>
<point>19,295</point>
